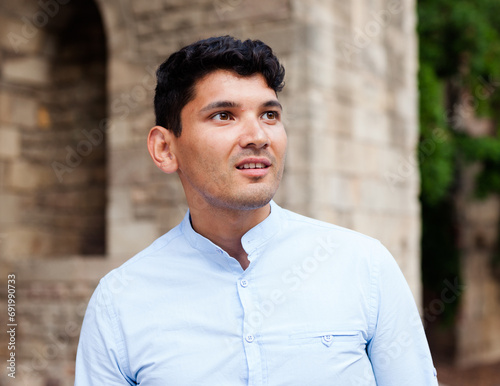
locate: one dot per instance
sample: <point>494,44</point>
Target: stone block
<point>25,243</point>
<point>130,165</point>
<point>279,39</point>
<point>370,126</point>
<point>143,121</point>
<point>258,11</point>
<point>405,105</point>
<point>374,195</point>
<point>148,7</point>
<point>128,238</point>
<point>120,135</point>
<point>374,57</point>
<point>367,222</point>
<point>10,144</point>
<point>18,37</point>
<point>346,82</point>
<point>398,168</point>
<point>18,110</point>
<point>347,156</point>
<point>340,115</point>
<point>170,216</point>
<point>280,197</point>
<point>119,207</point>
<point>298,150</point>
<point>9,209</point>
<point>341,12</point>
<point>343,192</point>
<point>370,159</point>
<point>129,84</point>
<point>30,70</point>
<point>168,190</point>
<point>24,175</point>
<point>296,185</point>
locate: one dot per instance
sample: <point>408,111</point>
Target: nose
<point>254,134</point>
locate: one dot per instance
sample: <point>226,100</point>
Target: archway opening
<point>70,209</point>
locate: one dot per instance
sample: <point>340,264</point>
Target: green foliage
<point>436,143</point>
<point>487,151</point>
<point>459,55</point>
<point>459,42</point>
<point>454,33</point>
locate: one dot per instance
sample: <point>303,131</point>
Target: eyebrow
<point>229,104</point>
<point>273,103</point>
<point>219,105</point>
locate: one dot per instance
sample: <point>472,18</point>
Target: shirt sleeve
<point>100,356</point>
<point>398,349</point>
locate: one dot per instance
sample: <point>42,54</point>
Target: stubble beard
<point>254,197</point>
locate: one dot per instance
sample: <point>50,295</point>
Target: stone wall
<point>53,91</point>
<point>350,113</point>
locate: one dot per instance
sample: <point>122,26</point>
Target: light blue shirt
<point>318,305</point>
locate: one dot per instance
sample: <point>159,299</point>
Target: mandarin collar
<point>251,240</point>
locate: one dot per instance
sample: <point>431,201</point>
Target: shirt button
<point>220,251</point>
<point>327,340</point>
<point>244,283</point>
<point>249,338</point>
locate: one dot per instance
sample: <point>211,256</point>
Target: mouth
<point>252,165</point>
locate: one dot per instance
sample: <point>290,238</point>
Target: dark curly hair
<point>177,76</point>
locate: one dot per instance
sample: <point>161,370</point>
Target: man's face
<point>232,148</point>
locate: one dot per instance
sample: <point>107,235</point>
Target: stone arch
<point>56,71</point>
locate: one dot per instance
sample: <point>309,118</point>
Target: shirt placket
<point>252,319</point>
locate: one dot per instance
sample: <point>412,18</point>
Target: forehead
<point>228,85</point>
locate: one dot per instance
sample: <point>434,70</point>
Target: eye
<point>223,116</point>
<point>271,115</point>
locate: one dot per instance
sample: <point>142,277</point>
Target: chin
<point>246,201</point>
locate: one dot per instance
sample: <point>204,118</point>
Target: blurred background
<point>391,109</point>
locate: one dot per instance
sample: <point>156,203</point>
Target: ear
<point>160,148</point>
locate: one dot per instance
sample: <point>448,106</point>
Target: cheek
<point>281,142</point>
<point>210,147</point>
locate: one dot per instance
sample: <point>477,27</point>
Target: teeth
<point>252,165</point>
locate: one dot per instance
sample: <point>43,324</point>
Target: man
<point>243,292</point>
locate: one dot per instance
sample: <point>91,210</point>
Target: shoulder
<point>354,249</point>
<point>147,261</point>
<point>294,222</point>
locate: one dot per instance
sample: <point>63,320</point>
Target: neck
<point>226,227</point>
